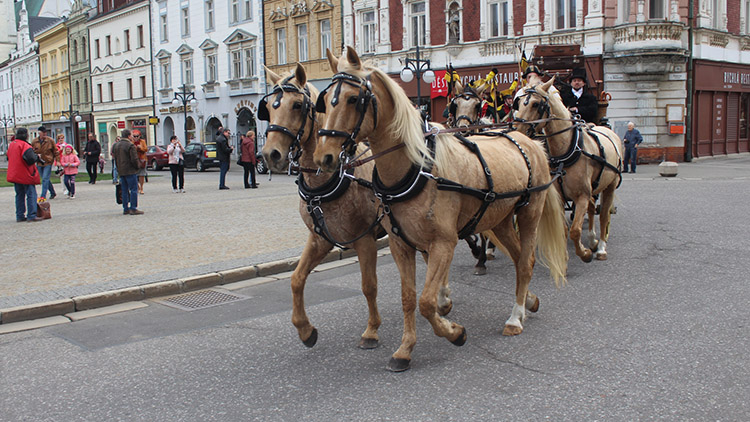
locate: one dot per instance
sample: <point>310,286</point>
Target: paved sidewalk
<point>89,247</point>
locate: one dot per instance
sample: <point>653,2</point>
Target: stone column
<point>384,44</point>
<point>641,14</point>
<point>532,25</point>
<point>595,18</point>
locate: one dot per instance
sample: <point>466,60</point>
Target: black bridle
<point>363,100</point>
<point>308,111</point>
<point>542,107</point>
<point>467,95</point>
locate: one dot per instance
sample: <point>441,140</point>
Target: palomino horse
<point>466,104</point>
<point>431,201</point>
<point>591,156</point>
<point>332,212</point>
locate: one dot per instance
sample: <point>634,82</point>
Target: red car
<point>157,157</point>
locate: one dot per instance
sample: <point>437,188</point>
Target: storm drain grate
<point>201,299</point>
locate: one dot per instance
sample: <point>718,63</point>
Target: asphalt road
<point>660,331</point>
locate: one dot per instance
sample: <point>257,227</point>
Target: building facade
<point>211,51</point>
<point>54,80</point>
<point>301,32</point>
<point>80,76</point>
<point>6,106</point>
<point>120,57</point>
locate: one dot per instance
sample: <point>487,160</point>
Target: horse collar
<point>573,153</point>
<point>328,191</point>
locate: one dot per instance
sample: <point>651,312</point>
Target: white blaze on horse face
<point>517,316</point>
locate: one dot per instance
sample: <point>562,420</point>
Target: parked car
<point>201,156</point>
<point>157,157</point>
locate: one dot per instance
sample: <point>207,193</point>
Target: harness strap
<point>321,228</point>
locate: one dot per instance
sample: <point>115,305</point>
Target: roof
<point>38,24</point>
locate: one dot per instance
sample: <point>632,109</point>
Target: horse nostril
<point>328,160</point>
<point>275,155</point>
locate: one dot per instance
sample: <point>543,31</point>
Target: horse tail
<point>552,244</point>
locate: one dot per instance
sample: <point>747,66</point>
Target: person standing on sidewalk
<point>247,159</point>
<point>632,139</point>
<point>223,152</point>
<point>92,152</point>
<point>126,160</point>
<point>176,163</point>
<point>24,175</point>
<point>45,147</point>
<point>141,148</point>
<point>70,162</point>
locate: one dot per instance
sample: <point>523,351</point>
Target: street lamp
<point>6,121</point>
<point>74,118</point>
<point>419,69</point>
<point>184,97</point>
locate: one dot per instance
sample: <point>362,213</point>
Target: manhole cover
<point>201,299</point>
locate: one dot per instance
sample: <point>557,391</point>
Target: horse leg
<point>607,198</point>
<point>405,258</point>
<point>581,203</point>
<point>480,268</point>
<point>315,250</point>
<point>507,237</point>
<point>528,220</point>
<point>593,241</point>
<point>367,252</point>
<point>445,304</point>
<point>441,255</point>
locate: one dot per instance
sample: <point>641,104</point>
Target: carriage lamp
<point>184,97</point>
<point>421,70</point>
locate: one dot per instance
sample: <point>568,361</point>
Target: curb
<point>61,307</point>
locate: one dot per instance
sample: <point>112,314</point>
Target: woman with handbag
<point>176,163</point>
<point>247,159</point>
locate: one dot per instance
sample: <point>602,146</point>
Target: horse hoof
<point>368,343</point>
<point>461,339</point>
<point>480,270</point>
<point>490,256</point>
<point>535,306</point>
<point>601,256</point>
<point>446,309</point>
<point>512,330</point>
<point>398,365</point>
<point>310,342</point>
<point>587,256</point>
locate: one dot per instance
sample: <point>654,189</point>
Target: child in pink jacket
<point>70,162</point>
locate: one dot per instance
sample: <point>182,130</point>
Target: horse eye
<point>297,105</point>
<point>535,105</point>
<point>352,100</point>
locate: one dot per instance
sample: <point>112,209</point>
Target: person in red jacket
<point>247,159</point>
<point>22,172</point>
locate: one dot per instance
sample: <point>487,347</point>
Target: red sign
<point>439,85</point>
<point>121,124</point>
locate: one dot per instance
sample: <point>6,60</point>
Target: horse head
<point>290,112</point>
<point>537,102</point>
<point>466,104</point>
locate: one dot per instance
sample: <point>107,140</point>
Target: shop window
<point>744,115</point>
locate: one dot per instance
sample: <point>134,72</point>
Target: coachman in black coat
<point>577,98</point>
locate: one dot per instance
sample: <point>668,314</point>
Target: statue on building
<point>454,25</point>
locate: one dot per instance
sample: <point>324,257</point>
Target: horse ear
<point>481,89</point>
<point>353,58</point>
<point>548,84</point>
<point>300,75</point>
<point>332,60</point>
<point>458,88</point>
<point>272,75</point>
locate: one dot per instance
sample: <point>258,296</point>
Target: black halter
<point>543,108</point>
<point>295,150</point>
<point>365,97</point>
<point>467,95</point>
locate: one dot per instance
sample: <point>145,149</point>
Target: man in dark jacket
<point>126,161</point>
<point>577,98</point>
<point>22,172</point>
<point>632,139</point>
<point>223,153</point>
<point>92,152</point>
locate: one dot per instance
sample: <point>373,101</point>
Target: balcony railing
<point>651,32</point>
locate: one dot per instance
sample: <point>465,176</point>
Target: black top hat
<point>579,73</point>
<point>532,69</point>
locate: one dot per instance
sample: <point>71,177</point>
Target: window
<point>111,91</point>
<point>417,20</point>
<point>248,9</point>
<point>187,70</point>
<point>75,51</point>
<point>126,39</point>
<point>64,59</point>
<point>325,37</point>
<point>209,15</point>
<point>143,86</point>
<point>368,31</point>
<point>77,93</point>
<point>83,48</point>
<point>163,28</point>
<point>234,15</point>
<point>140,36</point>
<point>211,74</point>
<point>166,75</point>
<point>623,11</point>
<point>302,42</point>
<point>44,67</point>
<point>129,88</point>
<point>108,45</point>
<point>281,45</point>
<point>99,90</point>
<point>185,21</point>
<point>744,114</point>
<point>53,63</point>
<point>565,14</point>
<point>86,91</point>
<point>236,64</point>
<point>747,17</point>
<point>656,9</point>
<point>498,19</point>
<point>249,62</point>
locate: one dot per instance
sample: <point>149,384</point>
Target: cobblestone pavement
<point>89,246</point>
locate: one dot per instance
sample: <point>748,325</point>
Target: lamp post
<point>419,69</point>
<point>184,97</point>
<point>74,118</point>
<point>6,121</point>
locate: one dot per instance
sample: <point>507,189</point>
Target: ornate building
<point>80,76</point>
<point>54,80</point>
<point>301,31</point>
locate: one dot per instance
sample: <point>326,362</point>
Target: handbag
<point>59,171</point>
<point>43,210</point>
